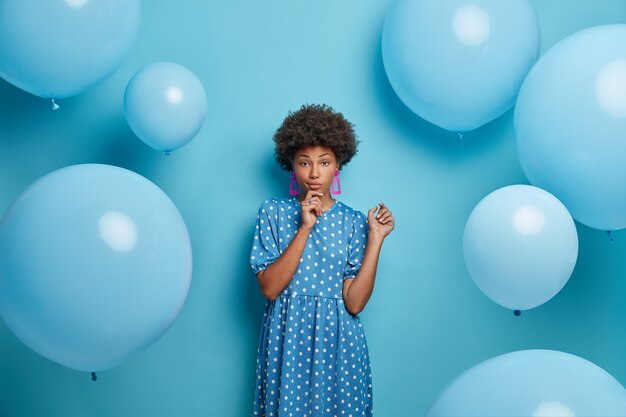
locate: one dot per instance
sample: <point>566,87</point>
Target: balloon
<point>520,246</point>
<point>570,122</point>
<point>95,265</point>
<point>57,49</point>
<point>459,64</point>
<point>534,383</point>
<point>165,105</point>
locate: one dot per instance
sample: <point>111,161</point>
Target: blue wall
<point>426,322</point>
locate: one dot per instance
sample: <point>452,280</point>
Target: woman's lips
<point>315,186</point>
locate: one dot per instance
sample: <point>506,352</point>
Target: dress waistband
<point>297,294</point>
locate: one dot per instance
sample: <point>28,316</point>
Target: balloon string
<point>611,235</point>
<point>93,376</point>
<point>54,105</point>
<point>460,135</point>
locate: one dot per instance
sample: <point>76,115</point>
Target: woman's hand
<point>311,209</point>
<point>380,224</point>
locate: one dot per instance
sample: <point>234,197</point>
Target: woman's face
<point>315,168</point>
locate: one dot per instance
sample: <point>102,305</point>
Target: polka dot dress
<point>313,359</point>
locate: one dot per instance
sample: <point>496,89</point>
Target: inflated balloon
<point>570,122</point>
<point>165,105</point>
<point>459,64</point>
<point>520,246</point>
<point>57,49</point>
<point>95,265</point>
<point>534,383</point>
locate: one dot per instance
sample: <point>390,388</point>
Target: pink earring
<point>293,185</point>
<point>337,189</point>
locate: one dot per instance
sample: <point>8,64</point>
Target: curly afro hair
<point>314,125</point>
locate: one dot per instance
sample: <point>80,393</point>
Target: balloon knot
<point>611,235</point>
<point>93,376</point>
<point>517,313</point>
<point>54,105</point>
<point>460,135</point>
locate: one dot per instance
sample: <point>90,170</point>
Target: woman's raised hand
<point>380,224</point>
<point>311,209</point>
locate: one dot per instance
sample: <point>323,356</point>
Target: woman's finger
<point>382,212</point>
<point>315,204</point>
<point>384,218</point>
<point>308,206</point>
<point>310,194</point>
<point>309,199</point>
<point>312,200</point>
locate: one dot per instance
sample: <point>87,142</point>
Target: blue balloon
<point>520,246</point>
<point>57,49</point>
<point>165,105</point>
<point>95,265</point>
<point>534,383</point>
<point>570,124</point>
<point>459,64</point>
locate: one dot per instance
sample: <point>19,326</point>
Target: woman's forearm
<point>275,278</point>
<point>360,291</point>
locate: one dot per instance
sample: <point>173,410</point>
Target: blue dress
<point>312,359</point>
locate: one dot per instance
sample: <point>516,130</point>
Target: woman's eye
<point>302,164</point>
<point>325,163</point>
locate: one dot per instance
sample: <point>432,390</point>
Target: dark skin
<point>315,168</point>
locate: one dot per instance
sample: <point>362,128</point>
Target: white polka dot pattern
<point>313,359</point>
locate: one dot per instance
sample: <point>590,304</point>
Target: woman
<point>315,260</point>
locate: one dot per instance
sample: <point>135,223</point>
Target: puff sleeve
<point>265,249</point>
<point>356,245</point>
